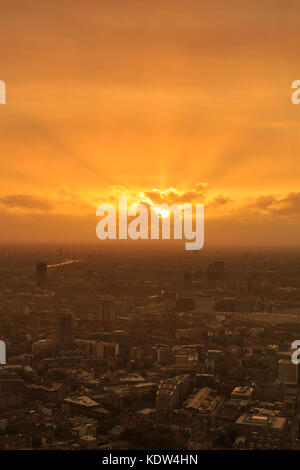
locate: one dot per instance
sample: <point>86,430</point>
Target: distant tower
<point>64,331</point>
<point>41,273</point>
<point>188,278</point>
<point>106,310</point>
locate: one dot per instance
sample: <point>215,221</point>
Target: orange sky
<point>120,97</point>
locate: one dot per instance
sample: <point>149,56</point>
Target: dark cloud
<point>261,202</point>
<point>219,201</point>
<point>285,205</point>
<point>175,196</point>
<point>288,205</point>
<point>25,201</point>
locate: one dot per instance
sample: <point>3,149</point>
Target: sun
<point>159,210</point>
<point>162,212</point>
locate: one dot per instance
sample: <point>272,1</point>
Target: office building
<point>106,310</point>
<point>41,273</point>
<point>65,331</point>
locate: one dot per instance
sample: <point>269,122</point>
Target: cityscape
<point>114,350</point>
<point>149,232</point>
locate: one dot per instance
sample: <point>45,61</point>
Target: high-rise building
<point>42,347</point>
<point>287,371</point>
<point>65,331</point>
<point>203,303</point>
<point>106,310</point>
<point>136,353</point>
<point>188,278</point>
<point>108,349</point>
<point>167,396</point>
<point>185,355</point>
<point>164,355</point>
<point>215,271</point>
<point>41,273</point>
<point>97,348</point>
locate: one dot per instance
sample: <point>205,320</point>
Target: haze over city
<point>149,350</point>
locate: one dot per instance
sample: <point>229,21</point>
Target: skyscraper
<point>106,310</point>
<point>65,331</point>
<point>41,273</point>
